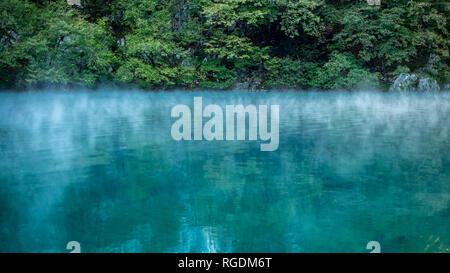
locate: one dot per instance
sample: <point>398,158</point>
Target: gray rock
<point>121,42</point>
<point>248,81</point>
<point>404,82</point>
<point>411,83</point>
<point>427,85</point>
<point>74,2</point>
<point>180,13</point>
<point>10,37</point>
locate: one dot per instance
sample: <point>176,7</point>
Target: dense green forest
<point>221,44</point>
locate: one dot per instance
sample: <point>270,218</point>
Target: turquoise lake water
<point>101,168</point>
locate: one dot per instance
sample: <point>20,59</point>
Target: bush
<point>343,71</point>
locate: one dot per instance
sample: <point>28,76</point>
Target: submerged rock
<point>412,82</point>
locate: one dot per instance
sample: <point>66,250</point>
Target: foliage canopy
<point>216,43</point>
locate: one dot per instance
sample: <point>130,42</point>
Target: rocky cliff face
<point>413,82</point>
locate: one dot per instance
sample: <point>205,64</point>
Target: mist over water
<point>101,168</point>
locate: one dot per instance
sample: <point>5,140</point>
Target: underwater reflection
<point>101,168</point>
